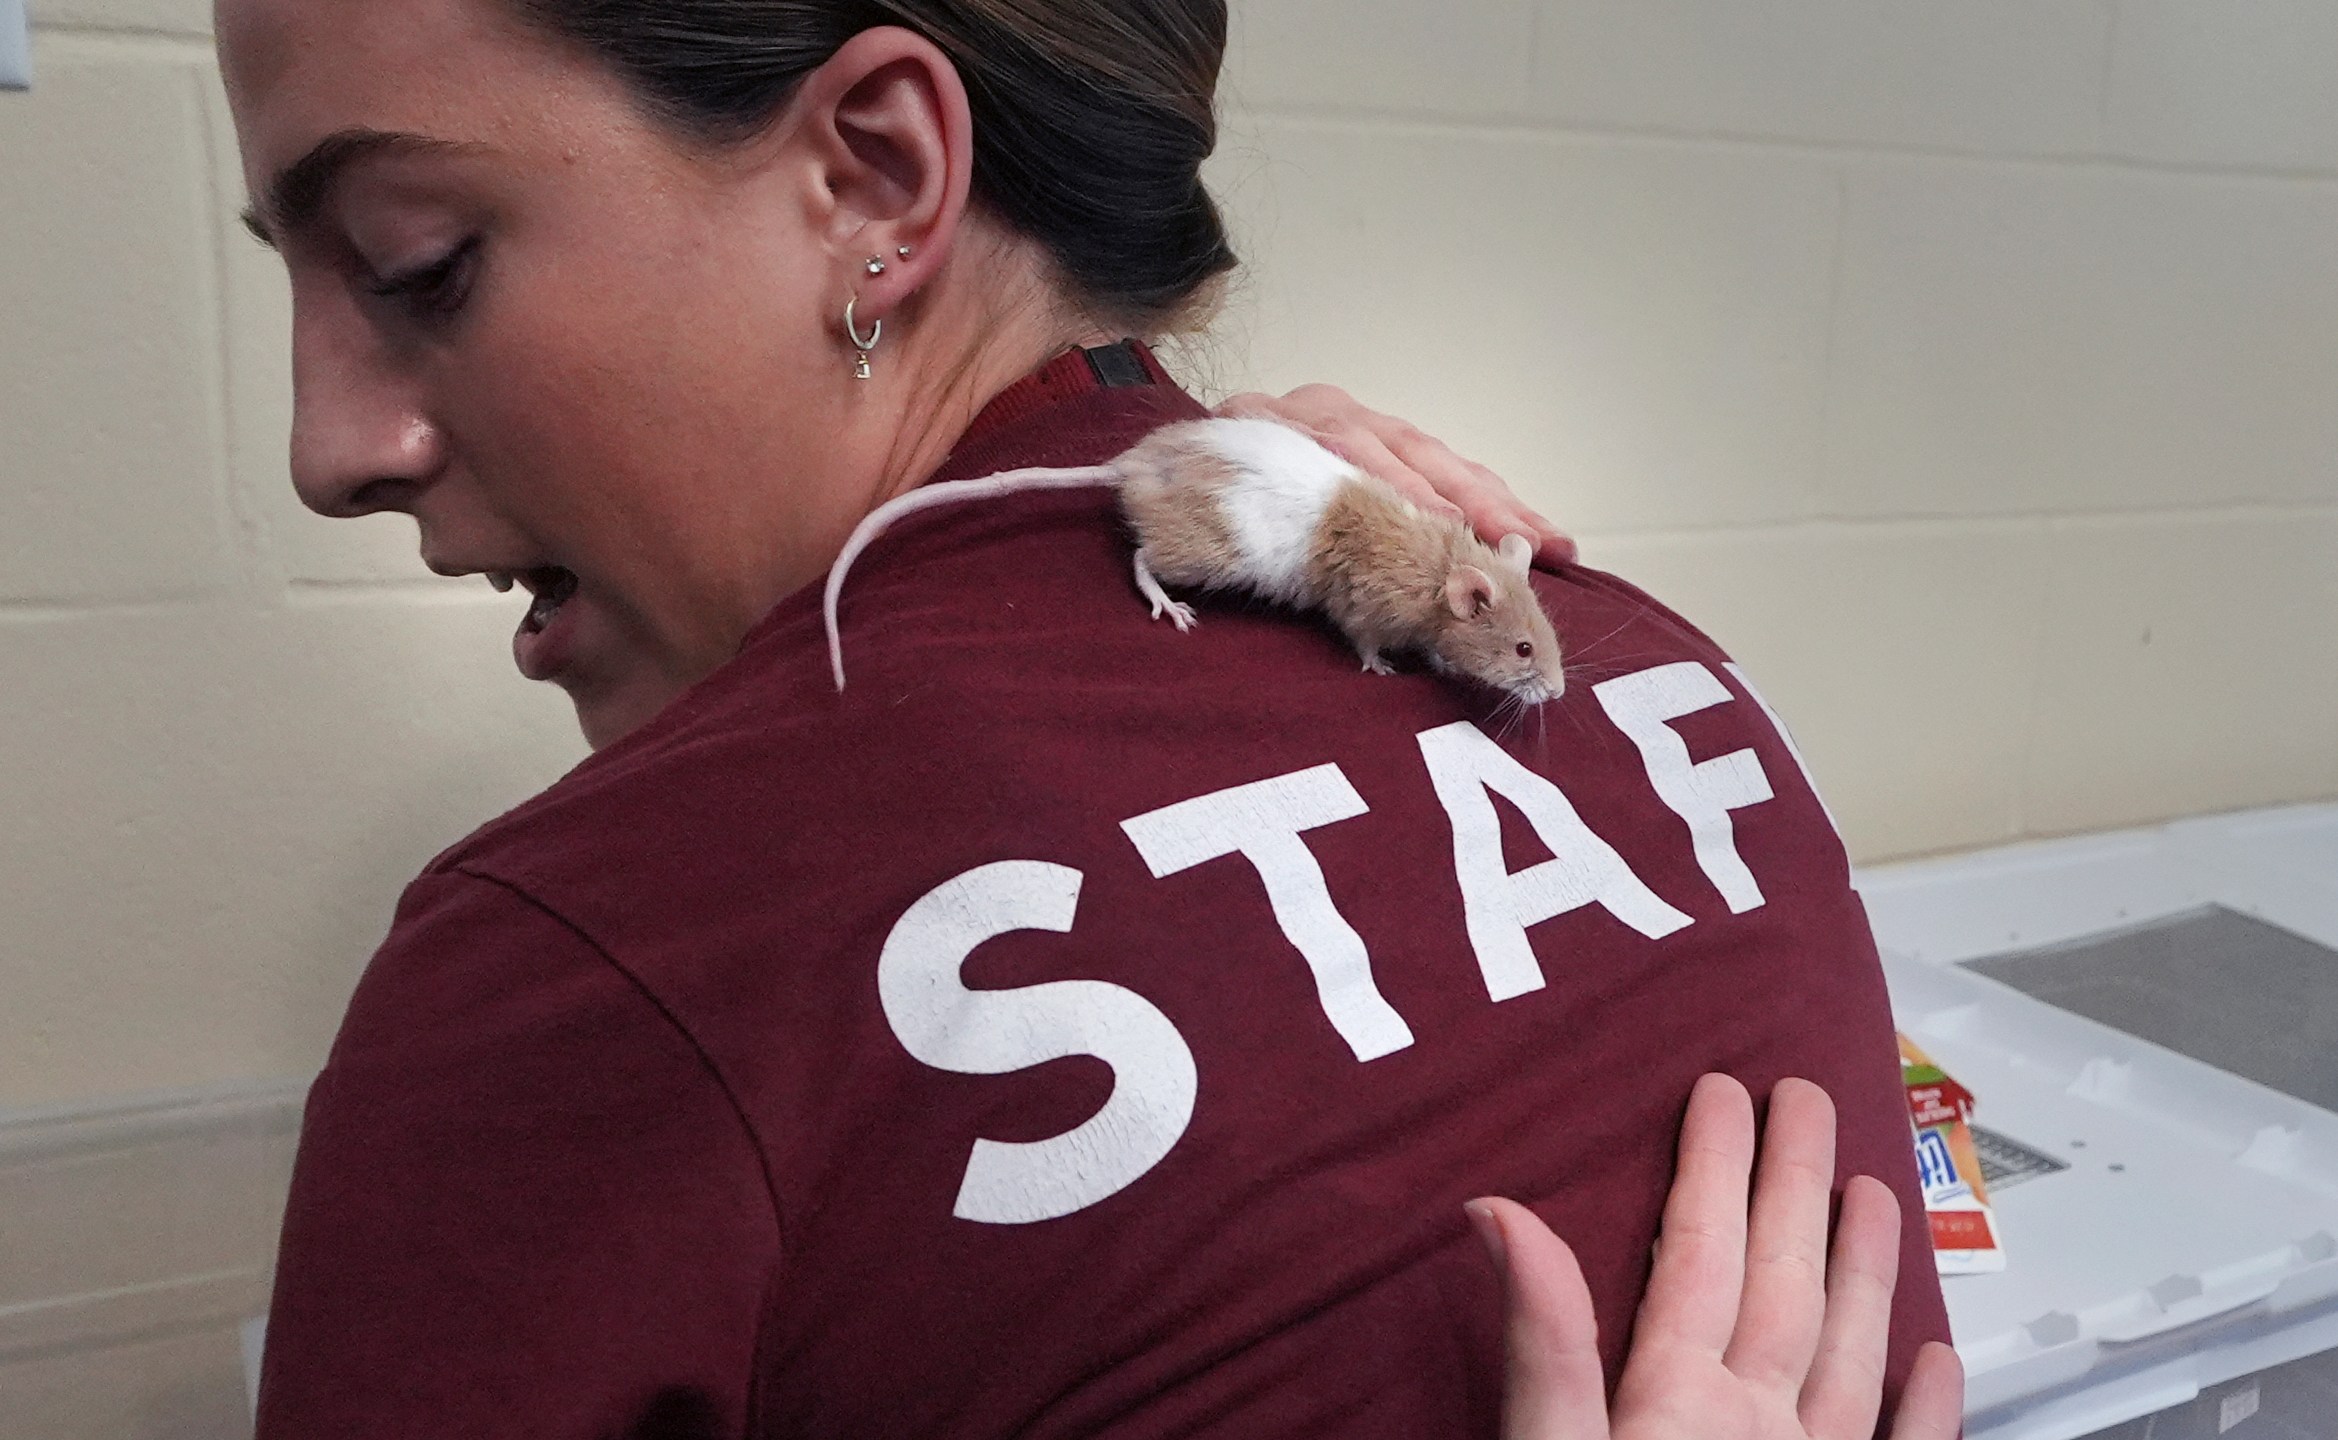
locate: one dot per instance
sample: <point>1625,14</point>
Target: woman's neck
<point>968,343</point>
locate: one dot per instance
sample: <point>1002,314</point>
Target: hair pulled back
<point>1091,117</point>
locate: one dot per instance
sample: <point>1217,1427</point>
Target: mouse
<point>1263,508</point>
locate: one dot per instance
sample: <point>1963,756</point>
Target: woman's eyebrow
<point>298,193</point>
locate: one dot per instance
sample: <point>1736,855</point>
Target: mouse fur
<point>1260,507</point>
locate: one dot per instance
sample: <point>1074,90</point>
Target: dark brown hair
<point>1091,117</point>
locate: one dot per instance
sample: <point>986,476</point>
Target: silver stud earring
<point>905,252</point>
<point>876,266</point>
<point>860,369</point>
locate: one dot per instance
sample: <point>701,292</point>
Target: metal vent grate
<point>2228,990</point>
<point>2006,1162</point>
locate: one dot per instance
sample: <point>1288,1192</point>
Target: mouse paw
<point>1149,585</point>
<point>1374,665</point>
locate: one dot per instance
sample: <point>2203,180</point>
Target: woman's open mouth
<point>544,643</point>
<point>552,587</point>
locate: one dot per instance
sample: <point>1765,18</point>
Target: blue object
<point>15,47</point>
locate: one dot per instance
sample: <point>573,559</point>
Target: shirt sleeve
<point>523,1203</point>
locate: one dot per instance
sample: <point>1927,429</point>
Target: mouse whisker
<point>1587,669</point>
<point>1574,714</point>
<point>1602,640</point>
<point>1509,717</point>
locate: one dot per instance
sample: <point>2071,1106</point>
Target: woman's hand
<point>1749,1331</point>
<point>1420,466</point>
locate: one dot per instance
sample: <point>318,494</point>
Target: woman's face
<point>561,339</point>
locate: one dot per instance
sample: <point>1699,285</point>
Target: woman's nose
<point>362,441</point>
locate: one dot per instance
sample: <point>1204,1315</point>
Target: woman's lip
<point>544,654</point>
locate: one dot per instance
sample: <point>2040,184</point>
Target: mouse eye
<point>1526,649</point>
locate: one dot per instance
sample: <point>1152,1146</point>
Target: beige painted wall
<point>1968,369</point>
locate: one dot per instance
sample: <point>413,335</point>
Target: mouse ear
<point>1518,552</point>
<point>1468,590</point>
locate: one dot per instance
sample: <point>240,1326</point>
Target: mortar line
<point>427,588</point>
<point>131,39</point>
<point>1659,137</point>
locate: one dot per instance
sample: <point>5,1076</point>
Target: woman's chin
<point>610,708</point>
<point>606,720</point>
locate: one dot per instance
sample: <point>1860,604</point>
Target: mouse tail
<point>927,497</point>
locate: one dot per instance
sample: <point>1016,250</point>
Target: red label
<point>1939,1104</point>
<point>1961,1230</point>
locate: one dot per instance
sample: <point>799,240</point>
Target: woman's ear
<point>892,144</point>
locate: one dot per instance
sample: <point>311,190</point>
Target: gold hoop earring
<point>860,369</point>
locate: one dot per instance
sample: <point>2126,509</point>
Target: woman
<point>1048,1036</point>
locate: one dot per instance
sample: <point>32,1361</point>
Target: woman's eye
<point>1526,650</point>
<point>435,290</point>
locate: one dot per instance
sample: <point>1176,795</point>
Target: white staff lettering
<point>1263,822</point>
<point>995,1032</point>
<point>1500,907</point>
<point>1787,736</point>
<point>944,1023</point>
<point>1644,706</point>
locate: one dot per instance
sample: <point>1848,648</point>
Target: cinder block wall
<point>230,731</point>
<point>1968,369</point>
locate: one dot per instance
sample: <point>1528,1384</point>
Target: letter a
<point>1500,907</point>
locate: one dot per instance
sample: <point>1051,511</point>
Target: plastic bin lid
<point>2191,1236</point>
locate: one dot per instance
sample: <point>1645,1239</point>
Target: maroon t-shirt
<point>1074,1028</point>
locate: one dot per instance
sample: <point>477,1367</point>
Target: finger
<point>1554,1388</point>
<point>1314,408</point>
<point>1349,430</point>
<point>1492,509</point>
<point>1700,1263</point>
<point>1360,435</point>
<point>1485,502</point>
<point>1845,1390</point>
<point>1933,1405</point>
<point>1423,469</point>
<point>1252,405</point>
<point>1363,447</point>
<point>1426,471</point>
<point>1786,1245</point>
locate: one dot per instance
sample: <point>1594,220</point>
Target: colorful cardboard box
<point>1965,1240</point>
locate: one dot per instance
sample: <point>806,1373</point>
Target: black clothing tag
<point>1117,366</point>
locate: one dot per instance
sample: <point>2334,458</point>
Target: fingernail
<point>1489,1232</point>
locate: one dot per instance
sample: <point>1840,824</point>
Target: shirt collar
<point>1074,373</point>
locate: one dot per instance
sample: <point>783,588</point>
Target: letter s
<point>995,1032</point>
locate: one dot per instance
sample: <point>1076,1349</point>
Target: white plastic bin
<point>2192,1240</point>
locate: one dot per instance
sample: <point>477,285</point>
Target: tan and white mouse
<point>1259,507</point>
